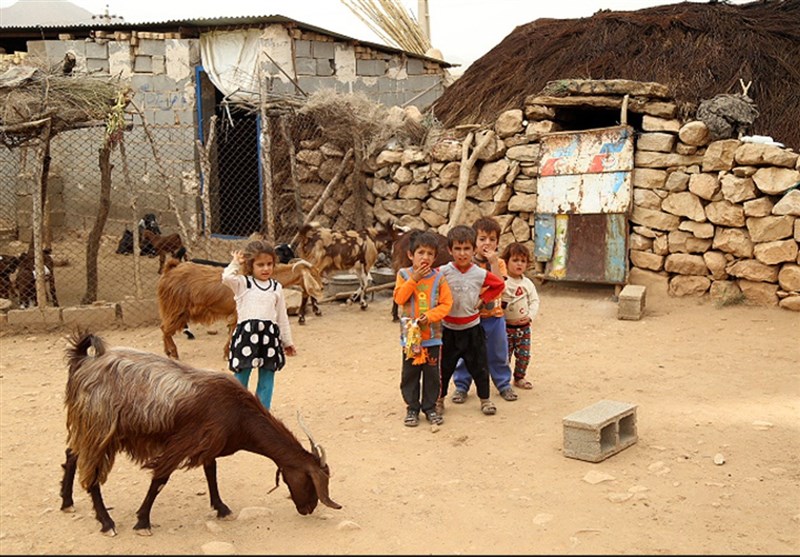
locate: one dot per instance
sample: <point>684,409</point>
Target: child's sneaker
<point>434,418</point>
<point>411,419</point>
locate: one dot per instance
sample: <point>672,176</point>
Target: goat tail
<point>301,263</point>
<point>79,343</point>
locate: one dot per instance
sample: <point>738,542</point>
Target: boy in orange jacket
<point>424,298</point>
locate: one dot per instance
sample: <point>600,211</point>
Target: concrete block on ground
<point>631,302</point>
<point>33,318</point>
<point>600,430</point>
<point>99,315</point>
<point>137,313</point>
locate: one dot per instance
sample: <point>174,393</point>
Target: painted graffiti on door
<point>584,196</point>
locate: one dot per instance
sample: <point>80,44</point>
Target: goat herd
<point>167,415</point>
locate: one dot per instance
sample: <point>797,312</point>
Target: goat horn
<point>314,447</point>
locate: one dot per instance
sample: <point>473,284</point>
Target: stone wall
<point>707,217</point>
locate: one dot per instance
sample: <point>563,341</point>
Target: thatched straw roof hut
<point>699,50</point>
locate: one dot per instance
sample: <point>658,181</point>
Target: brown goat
<point>25,281</point>
<point>193,293</point>
<point>167,415</point>
<point>332,250</point>
<point>164,245</point>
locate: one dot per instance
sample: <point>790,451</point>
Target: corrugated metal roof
<point>203,23</point>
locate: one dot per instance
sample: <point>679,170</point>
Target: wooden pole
<point>424,18</point>
<point>467,163</point>
<point>205,170</point>
<point>268,227</point>
<point>287,138</point>
<point>103,208</point>
<point>345,295</point>
<point>36,217</point>
<point>137,271</point>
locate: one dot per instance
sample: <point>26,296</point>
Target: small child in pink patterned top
<point>521,304</point>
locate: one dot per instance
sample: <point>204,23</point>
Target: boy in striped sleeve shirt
<point>463,336</point>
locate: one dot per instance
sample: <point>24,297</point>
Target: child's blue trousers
<point>266,383</point>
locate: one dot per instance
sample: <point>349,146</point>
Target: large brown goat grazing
<point>193,293</point>
<point>167,415</point>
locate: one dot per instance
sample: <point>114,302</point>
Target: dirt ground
<point>706,380</point>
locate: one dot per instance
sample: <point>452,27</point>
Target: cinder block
<point>96,316</point>
<point>97,65</point>
<point>631,302</point>
<point>415,66</point>
<point>600,430</point>
<point>302,49</point>
<point>34,318</point>
<point>324,67</point>
<point>370,67</point>
<point>143,64</point>
<point>322,49</point>
<point>305,66</point>
<point>97,50</point>
<point>151,47</point>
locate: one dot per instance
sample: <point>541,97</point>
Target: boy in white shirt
<point>521,304</point>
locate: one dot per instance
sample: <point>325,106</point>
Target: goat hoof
<point>363,307</point>
<point>111,533</point>
<point>144,532</point>
<point>69,509</point>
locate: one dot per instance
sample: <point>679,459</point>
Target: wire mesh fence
<point>255,174</point>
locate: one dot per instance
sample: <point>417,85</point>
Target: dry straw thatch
<point>31,94</point>
<point>352,119</point>
<point>697,49</point>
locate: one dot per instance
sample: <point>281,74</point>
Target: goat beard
<point>277,481</point>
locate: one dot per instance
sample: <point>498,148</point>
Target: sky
<point>463,30</point>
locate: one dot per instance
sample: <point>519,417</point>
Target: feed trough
<point>342,283</point>
<point>382,275</point>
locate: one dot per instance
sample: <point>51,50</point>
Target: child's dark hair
<point>254,249</point>
<point>488,225</point>
<point>516,249</point>
<point>421,238</point>
<point>461,233</point>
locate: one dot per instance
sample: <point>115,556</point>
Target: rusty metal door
<point>584,197</point>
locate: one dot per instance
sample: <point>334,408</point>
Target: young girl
<point>262,334</point>
<point>521,304</point>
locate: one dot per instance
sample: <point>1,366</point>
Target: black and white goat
<point>25,282</point>
<point>147,222</point>
<point>166,415</point>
